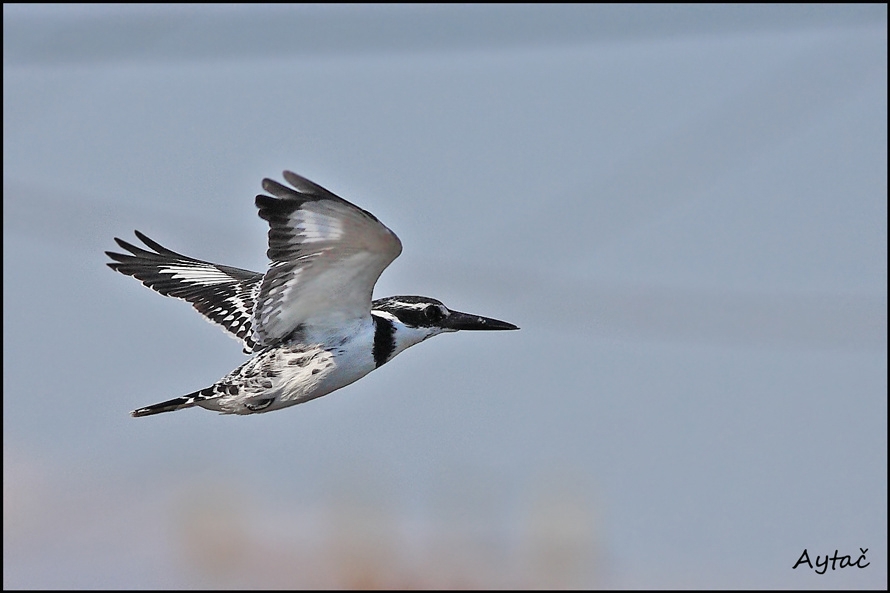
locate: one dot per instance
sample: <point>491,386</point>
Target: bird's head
<point>416,318</point>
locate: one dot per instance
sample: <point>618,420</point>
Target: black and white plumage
<point>222,294</point>
<point>309,320</point>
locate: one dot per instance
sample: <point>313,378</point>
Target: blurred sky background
<point>683,207</point>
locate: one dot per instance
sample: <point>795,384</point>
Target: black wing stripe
<point>223,294</point>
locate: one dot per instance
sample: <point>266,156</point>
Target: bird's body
<point>309,319</point>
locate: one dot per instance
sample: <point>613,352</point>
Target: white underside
<point>293,374</point>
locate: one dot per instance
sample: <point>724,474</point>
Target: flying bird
<point>309,321</point>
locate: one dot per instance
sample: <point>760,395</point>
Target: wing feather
<point>224,295</point>
<point>325,255</point>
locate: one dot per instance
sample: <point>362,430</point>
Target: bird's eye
<point>433,313</point>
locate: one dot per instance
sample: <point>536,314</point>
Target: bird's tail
<point>179,403</point>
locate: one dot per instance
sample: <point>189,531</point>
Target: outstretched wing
<point>326,255</point>
<point>222,294</point>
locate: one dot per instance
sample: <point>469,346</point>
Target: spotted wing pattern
<point>326,255</point>
<point>222,294</point>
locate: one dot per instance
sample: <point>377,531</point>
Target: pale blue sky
<point>683,208</point>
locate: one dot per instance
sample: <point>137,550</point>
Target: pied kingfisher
<point>309,319</point>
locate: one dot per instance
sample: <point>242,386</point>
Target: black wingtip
<point>153,244</point>
<point>124,245</point>
<point>302,189</point>
<point>272,186</point>
<point>303,185</point>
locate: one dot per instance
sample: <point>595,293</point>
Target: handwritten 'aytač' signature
<point>844,561</point>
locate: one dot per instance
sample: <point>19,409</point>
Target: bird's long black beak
<point>465,321</point>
